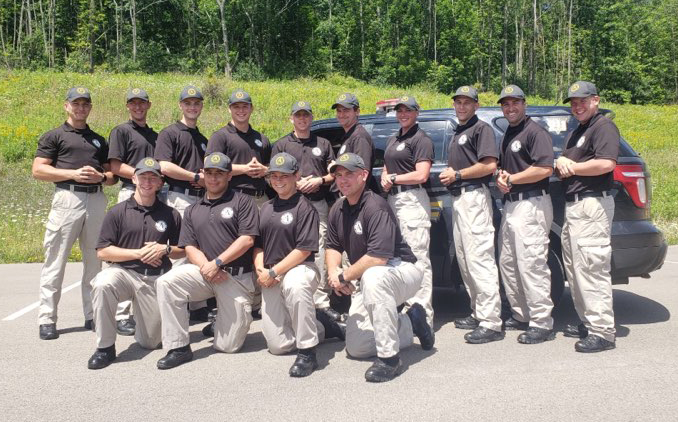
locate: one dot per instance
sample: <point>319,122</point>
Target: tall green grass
<point>32,103</point>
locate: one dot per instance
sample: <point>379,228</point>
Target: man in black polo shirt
<point>586,167</point>
<point>284,261</point>
<point>138,237</point>
<point>526,161</point>
<point>249,150</point>
<point>382,274</point>
<point>472,159</point>
<point>218,234</point>
<point>76,159</point>
<point>127,144</point>
<point>180,149</point>
<point>313,154</point>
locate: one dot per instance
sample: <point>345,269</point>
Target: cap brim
<point>348,167</point>
<point>137,98</point>
<point>510,96</point>
<point>410,107</point>
<point>278,170</point>
<point>346,105</point>
<point>142,171</point>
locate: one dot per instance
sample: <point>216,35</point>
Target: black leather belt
<point>395,189</point>
<point>251,192</point>
<point>468,188</point>
<point>519,196</point>
<point>574,197</point>
<point>237,271</point>
<point>187,191</point>
<point>149,271</point>
<point>79,188</point>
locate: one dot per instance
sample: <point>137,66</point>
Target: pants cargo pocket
<point>595,253</point>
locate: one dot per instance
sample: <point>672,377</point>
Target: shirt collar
<point>591,121</point>
<point>410,133</point>
<point>291,200</point>
<point>182,126</point>
<point>227,196</point>
<point>519,127</point>
<point>472,121</point>
<point>232,129</point>
<point>68,128</point>
<point>350,132</point>
<point>354,209</point>
<point>132,203</point>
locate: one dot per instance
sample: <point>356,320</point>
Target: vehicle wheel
<point>557,277</point>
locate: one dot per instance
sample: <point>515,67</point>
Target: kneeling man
<point>138,237</point>
<point>218,233</point>
<point>284,257</point>
<point>382,273</point>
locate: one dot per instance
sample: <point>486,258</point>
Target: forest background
<point>286,50</point>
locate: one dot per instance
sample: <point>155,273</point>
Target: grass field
<point>31,103</point>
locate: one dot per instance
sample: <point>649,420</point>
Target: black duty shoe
<point>420,327</point>
<point>48,332</point>
<point>592,344</point>
<point>208,330</point>
<point>334,315</point>
<point>483,335</point>
<point>102,358</point>
<point>201,315</point>
<point>89,324</point>
<point>212,315</point>
<point>256,314</point>
<point>467,323</point>
<point>126,327</point>
<point>535,335</point>
<point>305,363</point>
<point>333,329</point>
<point>513,324</point>
<point>176,357</point>
<point>380,371</point>
<point>575,331</point>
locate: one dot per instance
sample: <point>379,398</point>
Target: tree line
<point>628,47</point>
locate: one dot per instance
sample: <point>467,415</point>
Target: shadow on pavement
<point>327,351</point>
<point>132,353</point>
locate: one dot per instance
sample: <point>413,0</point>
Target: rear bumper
<point>638,248</point>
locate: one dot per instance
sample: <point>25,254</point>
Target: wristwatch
<point>508,181</point>
<point>219,262</point>
<point>271,273</point>
<point>196,177</point>
<point>341,278</point>
<point>393,177</point>
<point>168,250</point>
<point>457,176</point>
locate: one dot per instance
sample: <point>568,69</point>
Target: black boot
<point>102,358</point>
<point>176,357</point>
<point>420,327</point>
<point>48,332</point>
<point>333,329</point>
<point>305,363</point>
<point>384,369</point>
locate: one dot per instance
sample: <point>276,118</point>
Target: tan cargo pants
<point>74,216</point>
<point>374,326</point>
<point>523,259</point>
<point>288,313</point>
<point>184,284</point>
<point>322,294</point>
<point>474,247</point>
<point>413,210</point>
<point>587,256</point>
<point>116,284</point>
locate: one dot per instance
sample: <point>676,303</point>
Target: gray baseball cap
<point>78,92</point>
<point>511,91</point>
<point>239,96</point>
<point>301,105</point>
<point>283,163</point>
<point>409,102</point>
<point>190,91</point>
<point>580,89</point>
<point>218,160</point>
<point>347,100</point>
<point>137,93</point>
<point>146,165</point>
<point>349,161</point>
<point>466,91</point>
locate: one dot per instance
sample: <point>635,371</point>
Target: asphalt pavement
<point>638,381</point>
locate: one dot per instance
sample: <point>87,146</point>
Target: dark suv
<point>638,247</point>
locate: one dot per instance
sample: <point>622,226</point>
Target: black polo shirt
<point>404,151</point>
<point>129,225</point>
<point>183,146</point>
<point>285,225</point>
<point>129,143</point>
<point>526,144</point>
<point>471,143</point>
<point>241,147</point>
<point>598,138</point>
<point>313,155</point>
<point>71,148</point>
<point>368,227</point>
<point>213,225</point>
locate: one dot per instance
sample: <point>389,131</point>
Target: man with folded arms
<point>138,238</point>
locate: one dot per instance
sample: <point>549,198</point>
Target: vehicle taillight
<point>633,179</point>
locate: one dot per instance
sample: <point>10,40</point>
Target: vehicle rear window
<point>438,130</point>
